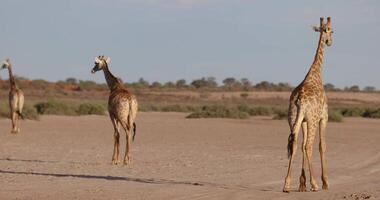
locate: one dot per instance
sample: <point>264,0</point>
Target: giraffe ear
<point>108,60</point>
<point>316,29</point>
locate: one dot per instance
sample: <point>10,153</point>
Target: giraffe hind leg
<point>302,187</point>
<point>292,147</point>
<point>115,156</point>
<point>128,144</point>
<point>322,150</point>
<point>14,118</point>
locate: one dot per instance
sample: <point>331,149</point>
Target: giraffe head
<point>6,64</point>
<point>100,63</point>
<point>326,30</point>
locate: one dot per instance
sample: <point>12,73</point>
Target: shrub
<point>335,115</point>
<point>218,111</point>
<point>260,111</point>
<point>353,112</point>
<point>244,95</point>
<point>28,112</point>
<point>280,113</point>
<point>372,113</point>
<point>91,109</point>
<point>53,107</point>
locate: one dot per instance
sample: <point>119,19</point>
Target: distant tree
<point>73,81</point>
<point>169,84</point>
<point>329,87</point>
<point>143,82</point>
<point>209,82</point>
<point>354,88</point>
<point>264,85</point>
<point>156,85</point>
<point>180,83</point>
<point>229,83</point>
<point>246,84</point>
<point>369,89</point>
<point>284,87</point>
<point>199,83</point>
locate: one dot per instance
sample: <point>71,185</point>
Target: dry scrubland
<point>202,98</point>
<point>69,157</point>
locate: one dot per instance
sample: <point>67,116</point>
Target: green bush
<point>91,109</point>
<point>28,112</point>
<point>372,113</point>
<point>353,112</point>
<point>280,113</point>
<point>218,111</point>
<point>335,115</point>
<point>53,107</point>
<point>260,111</point>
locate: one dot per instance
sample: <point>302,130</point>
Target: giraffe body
<point>122,108</point>
<point>308,110</point>
<point>16,99</point>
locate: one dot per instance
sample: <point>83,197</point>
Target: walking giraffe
<point>308,109</point>
<point>16,98</point>
<point>122,108</point>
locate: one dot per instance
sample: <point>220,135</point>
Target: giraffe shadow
<point>109,178</point>
<point>112,178</point>
<point>45,161</point>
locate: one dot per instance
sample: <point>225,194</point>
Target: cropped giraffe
<point>122,108</point>
<point>308,109</point>
<point>16,98</point>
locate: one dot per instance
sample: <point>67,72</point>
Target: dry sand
<point>178,158</point>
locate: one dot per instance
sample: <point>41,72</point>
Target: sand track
<point>178,158</point>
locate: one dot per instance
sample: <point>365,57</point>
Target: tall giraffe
<point>308,109</point>
<point>16,98</point>
<point>122,108</point>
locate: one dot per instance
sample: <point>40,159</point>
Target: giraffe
<point>122,108</point>
<point>308,109</point>
<point>16,98</point>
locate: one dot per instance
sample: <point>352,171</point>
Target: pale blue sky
<point>172,39</point>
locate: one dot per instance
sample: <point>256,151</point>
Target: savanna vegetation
<point>200,98</point>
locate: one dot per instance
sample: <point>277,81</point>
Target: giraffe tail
<point>290,144</point>
<point>134,131</point>
<point>20,114</point>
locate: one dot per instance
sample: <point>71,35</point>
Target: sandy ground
<point>178,158</point>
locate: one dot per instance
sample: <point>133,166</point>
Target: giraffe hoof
<point>14,132</point>
<point>325,186</point>
<point>314,189</point>
<point>286,190</point>
<point>302,188</point>
<point>115,162</point>
<point>128,161</point>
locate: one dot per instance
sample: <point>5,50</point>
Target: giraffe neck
<point>112,82</point>
<point>12,81</point>
<point>314,73</point>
